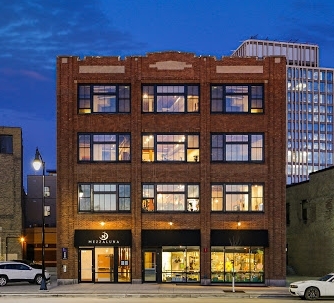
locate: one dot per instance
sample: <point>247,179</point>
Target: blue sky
<point>34,32</point>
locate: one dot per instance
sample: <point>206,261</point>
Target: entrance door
<point>86,265</point>
<point>105,265</point>
<point>150,272</point>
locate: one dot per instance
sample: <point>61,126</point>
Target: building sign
<point>64,253</point>
<point>102,238</point>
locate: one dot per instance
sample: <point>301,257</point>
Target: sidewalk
<point>147,290</point>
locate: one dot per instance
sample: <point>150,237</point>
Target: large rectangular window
<point>170,147</point>
<point>104,197</point>
<point>237,197</point>
<point>104,147</point>
<point>6,144</point>
<point>245,264</point>
<point>237,99</point>
<point>170,197</point>
<point>170,98</point>
<point>103,98</point>
<point>237,147</point>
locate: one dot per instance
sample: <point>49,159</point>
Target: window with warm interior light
<point>106,147</point>
<point>170,98</point>
<point>237,197</point>
<point>170,197</point>
<point>170,147</point>
<point>104,197</point>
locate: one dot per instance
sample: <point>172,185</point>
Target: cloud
<point>37,130</point>
<point>9,72</point>
<point>33,33</point>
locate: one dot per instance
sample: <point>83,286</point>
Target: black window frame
<point>261,208</point>
<point>222,148</point>
<point>185,94</point>
<point>251,98</point>
<point>89,98</point>
<point>6,144</point>
<point>187,147</point>
<point>188,207</point>
<point>90,149</point>
<point>88,194</point>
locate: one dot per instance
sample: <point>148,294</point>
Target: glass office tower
<point>309,105</point>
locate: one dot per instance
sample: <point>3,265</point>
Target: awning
<point>91,237</point>
<point>227,237</point>
<point>183,237</point>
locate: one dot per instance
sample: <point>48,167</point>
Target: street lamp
<point>38,162</point>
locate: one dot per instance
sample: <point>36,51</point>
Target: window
<point>170,197</point>
<point>237,99</point>
<point>170,99</point>
<point>104,147</point>
<point>103,98</point>
<point>104,197</point>
<point>237,197</point>
<point>6,144</point>
<point>304,210</point>
<point>170,147</point>
<point>237,147</point>
<point>245,264</point>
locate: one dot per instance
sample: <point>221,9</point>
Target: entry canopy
<point>234,237</point>
<point>89,237</point>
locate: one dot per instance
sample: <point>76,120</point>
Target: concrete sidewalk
<point>147,290</point>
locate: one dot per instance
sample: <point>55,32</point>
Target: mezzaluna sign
<point>103,239</point>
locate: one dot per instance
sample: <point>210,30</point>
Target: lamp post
<point>38,162</point>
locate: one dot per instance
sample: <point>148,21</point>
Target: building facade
<point>11,193</point>
<point>309,105</point>
<point>33,212</point>
<point>171,168</point>
<point>310,224</point>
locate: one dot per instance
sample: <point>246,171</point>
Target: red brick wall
<point>201,70</point>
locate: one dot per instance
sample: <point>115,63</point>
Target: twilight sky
<point>34,32</point>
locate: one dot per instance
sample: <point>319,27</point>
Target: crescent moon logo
<point>104,236</point>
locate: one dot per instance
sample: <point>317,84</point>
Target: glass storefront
<point>104,256</point>
<point>246,263</point>
<point>180,264</point>
<point>105,264</point>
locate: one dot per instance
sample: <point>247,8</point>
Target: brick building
<point>171,168</point>
<point>310,224</point>
<point>11,193</point>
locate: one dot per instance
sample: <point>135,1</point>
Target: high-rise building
<point>309,96</point>
<point>11,193</point>
<point>171,168</point>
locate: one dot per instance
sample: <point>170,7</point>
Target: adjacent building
<point>11,193</point>
<point>33,212</point>
<point>310,215</point>
<point>309,105</point>
<point>171,168</point>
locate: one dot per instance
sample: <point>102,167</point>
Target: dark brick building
<point>310,224</point>
<point>171,168</point>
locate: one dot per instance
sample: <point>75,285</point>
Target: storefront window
<point>246,263</point>
<point>181,264</point>
<point>124,265</point>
